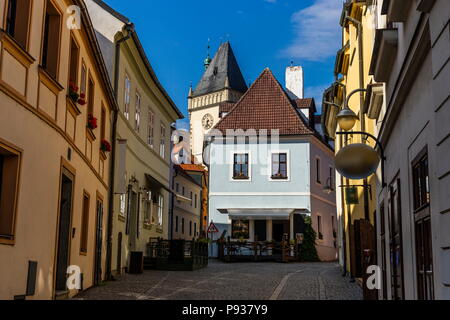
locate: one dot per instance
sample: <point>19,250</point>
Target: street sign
<point>212,228</point>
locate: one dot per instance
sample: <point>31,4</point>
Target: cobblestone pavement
<point>233,281</point>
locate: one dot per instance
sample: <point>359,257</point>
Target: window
<point>9,180</point>
<point>147,201</point>
<point>191,198</point>
<point>123,204</point>
<point>150,129</point>
<point>240,229</point>
<point>83,78</point>
<point>137,114</point>
<point>176,224</point>
<point>103,123</point>
<point>177,187</point>
<point>195,229</point>
<point>74,57</point>
<point>319,227</point>
<point>51,39</point>
<point>318,171</point>
<point>279,166</point>
<point>126,110</point>
<point>162,146</point>
<point>85,224</point>
<point>190,228</point>
<point>183,192</point>
<point>421,185</point>
<point>331,176</point>
<point>17,20</point>
<point>182,225</point>
<point>91,91</point>
<point>160,210</point>
<point>240,166</point>
<point>195,201</point>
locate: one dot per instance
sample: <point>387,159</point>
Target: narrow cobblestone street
<point>234,281</point>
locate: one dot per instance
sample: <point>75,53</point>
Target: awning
<point>154,183</point>
<point>258,214</point>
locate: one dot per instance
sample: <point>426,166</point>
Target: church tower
<point>220,87</point>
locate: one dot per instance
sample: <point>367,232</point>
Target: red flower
<point>105,146</point>
<point>92,122</point>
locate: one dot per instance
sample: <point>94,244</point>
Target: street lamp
<point>346,119</point>
<point>356,161</point>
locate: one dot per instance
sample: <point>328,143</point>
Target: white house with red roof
<point>269,168</point>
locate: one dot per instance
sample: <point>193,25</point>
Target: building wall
<point>187,210</point>
<point>425,104</point>
<point>41,124</point>
<point>198,108</point>
<point>141,157</point>
<point>299,192</point>
<point>258,192</point>
<point>323,204</point>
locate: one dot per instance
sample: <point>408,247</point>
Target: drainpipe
<point>129,27</point>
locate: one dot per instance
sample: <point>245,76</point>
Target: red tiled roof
<point>225,107</point>
<point>303,103</point>
<point>265,106</point>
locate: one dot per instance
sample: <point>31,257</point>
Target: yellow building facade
<point>56,104</point>
<point>356,199</point>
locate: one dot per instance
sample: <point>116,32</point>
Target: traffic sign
<point>212,228</point>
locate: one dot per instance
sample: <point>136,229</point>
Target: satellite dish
<point>357,161</point>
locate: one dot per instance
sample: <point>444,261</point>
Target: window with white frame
<point>162,145</point>
<point>241,166</point>
<point>126,110</point>
<point>160,210</point>
<point>137,114</point>
<point>150,129</point>
<point>147,205</point>
<point>279,166</point>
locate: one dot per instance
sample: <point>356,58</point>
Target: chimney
<point>294,82</point>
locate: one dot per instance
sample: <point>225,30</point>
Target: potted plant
<point>105,146</point>
<point>92,122</point>
<point>240,175</point>
<point>82,100</point>
<point>278,175</point>
<point>73,92</point>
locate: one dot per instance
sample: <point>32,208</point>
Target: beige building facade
<point>142,178</point>
<point>56,106</point>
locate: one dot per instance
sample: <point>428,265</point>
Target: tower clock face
<point>207,121</point>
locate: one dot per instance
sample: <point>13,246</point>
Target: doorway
<point>98,244</point>
<point>279,228</point>
<point>260,230</point>
<point>65,215</point>
<point>119,254</point>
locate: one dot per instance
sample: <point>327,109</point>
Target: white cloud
<point>317,30</point>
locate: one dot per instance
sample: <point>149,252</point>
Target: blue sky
<point>263,33</point>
